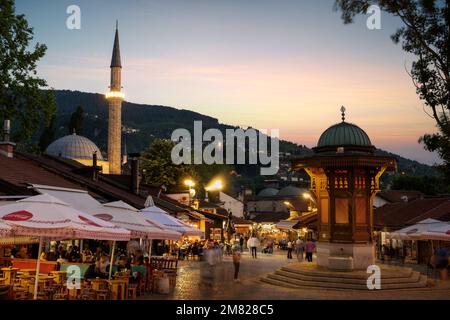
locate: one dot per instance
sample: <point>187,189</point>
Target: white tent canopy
<point>161,217</point>
<point>49,217</point>
<point>118,213</point>
<point>123,215</point>
<point>441,232</point>
<point>45,216</point>
<point>415,231</point>
<point>286,224</point>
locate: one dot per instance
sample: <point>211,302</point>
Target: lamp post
<point>292,210</point>
<point>190,184</point>
<point>216,185</point>
<point>308,196</point>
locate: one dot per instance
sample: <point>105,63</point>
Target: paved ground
<point>189,285</point>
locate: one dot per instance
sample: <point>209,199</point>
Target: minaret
<point>115,97</point>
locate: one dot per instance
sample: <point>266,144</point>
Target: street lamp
<point>191,184</point>
<point>308,196</point>
<point>292,210</point>
<point>216,185</point>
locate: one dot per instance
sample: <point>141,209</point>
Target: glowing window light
<point>115,94</point>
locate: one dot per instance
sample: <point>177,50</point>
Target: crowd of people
<point>303,250</point>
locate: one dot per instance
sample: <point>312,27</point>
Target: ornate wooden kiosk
<point>345,176</point>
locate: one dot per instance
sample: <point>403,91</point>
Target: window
<point>324,210</point>
<point>341,210</point>
<point>361,209</point>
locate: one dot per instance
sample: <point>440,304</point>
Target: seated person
<point>90,272</point>
<point>43,256</point>
<point>140,261</point>
<point>124,265</point>
<point>102,266</point>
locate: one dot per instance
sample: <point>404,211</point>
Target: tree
<point>22,98</point>
<point>426,185</point>
<point>158,165</point>
<point>425,34</point>
<point>76,121</point>
<point>47,136</point>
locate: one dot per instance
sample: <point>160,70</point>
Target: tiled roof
<point>20,171</point>
<point>393,196</point>
<point>401,214</point>
<point>270,216</point>
<point>239,220</point>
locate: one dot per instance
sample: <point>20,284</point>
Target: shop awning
<point>286,224</point>
<point>415,232</point>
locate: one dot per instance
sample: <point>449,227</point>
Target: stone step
<point>414,277</point>
<point>279,283</point>
<point>386,273</point>
<point>285,281</point>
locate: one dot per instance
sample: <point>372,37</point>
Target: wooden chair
<point>102,294</point>
<point>132,291</point>
<point>5,292</point>
<point>20,294</point>
<point>60,296</point>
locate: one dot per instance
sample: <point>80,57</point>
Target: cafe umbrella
<point>125,216</point>
<point>47,217</point>
<point>5,230</point>
<point>161,217</point>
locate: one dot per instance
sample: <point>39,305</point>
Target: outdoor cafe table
<point>27,271</point>
<point>118,288</point>
<point>59,276</point>
<point>97,283</point>
<point>8,275</point>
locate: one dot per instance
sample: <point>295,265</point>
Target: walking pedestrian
<point>289,250</point>
<point>309,248</point>
<point>241,243</point>
<point>299,248</point>
<point>236,251</point>
<point>253,243</point>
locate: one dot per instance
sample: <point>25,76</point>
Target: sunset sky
<point>286,64</point>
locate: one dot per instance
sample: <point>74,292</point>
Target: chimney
<point>6,146</point>
<point>94,166</point>
<point>134,184</point>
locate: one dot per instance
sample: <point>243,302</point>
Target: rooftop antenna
<point>117,24</point>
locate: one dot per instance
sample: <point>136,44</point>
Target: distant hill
<point>143,123</point>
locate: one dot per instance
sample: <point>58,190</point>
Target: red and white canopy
<point>5,230</point>
<point>48,217</point>
<point>125,216</point>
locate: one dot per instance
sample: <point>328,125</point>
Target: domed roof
<point>344,134</point>
<point>268,192</point>
<point>291,191</point>
<point>73,147</point>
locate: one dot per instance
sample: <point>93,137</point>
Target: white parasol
<point>45,216</point>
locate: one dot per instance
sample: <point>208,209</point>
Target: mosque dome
<point>268,192</point>
<point>345,136</point>
<point>74,147</point>
<point>291,191</point>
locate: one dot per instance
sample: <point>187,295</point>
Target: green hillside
<point>147,122</point>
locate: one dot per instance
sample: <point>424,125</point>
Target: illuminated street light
<point>287,203</point>
<point>189,183</point>
<point>216,185</point>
